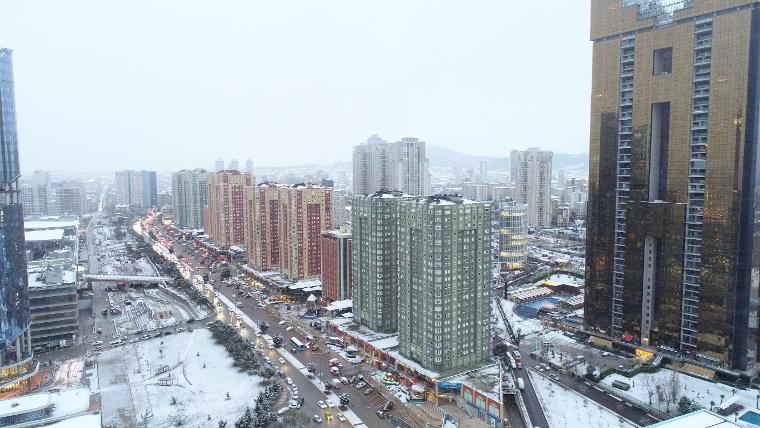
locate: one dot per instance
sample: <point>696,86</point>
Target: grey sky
<point>177,83</point>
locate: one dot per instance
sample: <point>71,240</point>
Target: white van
<point>520,383</point>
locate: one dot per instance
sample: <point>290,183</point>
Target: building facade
<point>444,282</point>
<point>672,246</point>
<point>374,166</point>
<point>412,170</point>
<point>263,226</point>
<point>15,340</point>
<point>305,211</point>
<point>224,215</point>
<point>374,230</point>
<point>380,166</point>
<point>513,235</point>
<point>67,198</point>
<point>136,188</point>
<point>532,172</point>
<point>336,265</point>
<point>189,197</point>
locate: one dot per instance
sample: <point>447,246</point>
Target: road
<point>365,406</point>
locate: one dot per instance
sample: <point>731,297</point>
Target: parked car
<point>321,404</point>
<point>317,419</point>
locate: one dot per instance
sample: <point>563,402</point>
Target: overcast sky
<point>177,83</point>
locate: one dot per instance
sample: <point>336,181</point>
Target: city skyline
<point>224,104</point>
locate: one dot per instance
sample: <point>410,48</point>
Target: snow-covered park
<point>705,393</point>
<point>565,408</point>
<point>182,377</point>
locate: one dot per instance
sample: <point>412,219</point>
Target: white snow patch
<point>566,408</point>
<point>130,386</point>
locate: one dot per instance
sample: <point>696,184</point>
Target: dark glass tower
<point>15,342</point>
<point>673,249</point>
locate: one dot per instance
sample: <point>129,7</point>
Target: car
<point>270,346</point>
<point>294,404</point>
<point>330,403</point>
<point>368,391</point>
<point>281,360</point>
<point>180,330</point>
<point>321,404</point>
<point>341,417</point>
<point>135,340</point>
<point>287,379</point>
<point>554,376</point>
<point>157,334</point>
<point>360,385</point>
<point>380,414</point>
<point>317,419</point>
<point>328,416</point>
<point>166,333</point>
<point>343,380</point>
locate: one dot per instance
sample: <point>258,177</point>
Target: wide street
<point>365,406</point>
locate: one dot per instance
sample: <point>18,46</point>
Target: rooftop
<point>699,419</point>
<point>43,235</point>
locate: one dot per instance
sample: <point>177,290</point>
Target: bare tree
<point>649,386</point>
<point>674,387</point>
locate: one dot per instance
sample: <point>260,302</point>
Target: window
<point>663,61</point>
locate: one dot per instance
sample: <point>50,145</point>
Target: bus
<point>297,344</point>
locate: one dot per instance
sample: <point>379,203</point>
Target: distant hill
<point>442,157</point>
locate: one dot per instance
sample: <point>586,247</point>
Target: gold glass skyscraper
<point>673,248</point>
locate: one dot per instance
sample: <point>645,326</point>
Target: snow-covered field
<point>702,391</point>
<point>566,408</point>
<point>130,390</point>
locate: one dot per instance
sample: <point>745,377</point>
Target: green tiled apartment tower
<point>444,282</point>
<point>375,288</point>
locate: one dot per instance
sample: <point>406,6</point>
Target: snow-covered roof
<point>23,404</point>
<point>49,224</point>
<point>43,235</point>
<point>85,421</point>
<point>340,305</point>
<point>66,402</point>
<point>311,298</point>
<point>699,419</point>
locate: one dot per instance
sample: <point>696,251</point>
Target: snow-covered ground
<point>526,326</point>
<point>130,390</point>
<point>566,408</point>
<point>149,309</point>
<point>702,391</point>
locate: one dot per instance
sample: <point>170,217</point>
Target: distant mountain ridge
<point>443,157</point>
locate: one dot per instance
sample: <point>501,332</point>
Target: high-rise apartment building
<point>672,247</point>
<point>374,166</point>
<point>34,193</point>
<point>532,172</point>
<point>513,234</point>
<point>249,167</point>
<point>402,166</point>
<point>224,215</point>
<point>218,165</point>
<point>263,226</point>
<point>234,165</point>
<point>412,170</point>
<point>67,198</point>
<point>444,282</point>
<point>336,265</point>
<point>34,199</point>
<point>374,230</point>
<point>15,339</point>
<point>189,197</point>
<point>136,188</point>
<point>305,212</point>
